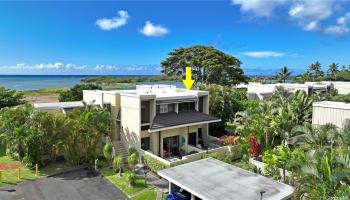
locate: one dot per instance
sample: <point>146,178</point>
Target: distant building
<point>265,91</point>
<point>341,87</point>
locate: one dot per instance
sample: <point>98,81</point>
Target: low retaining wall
<point>194,157</point>
<point>261,166</point>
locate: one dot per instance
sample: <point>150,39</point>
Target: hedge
<point>154,164</point>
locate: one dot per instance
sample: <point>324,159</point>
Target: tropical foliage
<point>10,98</point>
<point>76,92</point>
<point>224,102</point>
<point>33,137</point>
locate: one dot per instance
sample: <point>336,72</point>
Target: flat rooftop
<point>161,92</point>
<point>332,104</point>
<point>211,179</point>
<point>59,105</point>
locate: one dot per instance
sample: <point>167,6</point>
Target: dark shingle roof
<point>168,120</point>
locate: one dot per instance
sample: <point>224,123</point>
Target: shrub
<point>255,147</point>
<point>153,164</point>
<point>107,151</point>
<point>76,93</point>
<point>118,164</point>
<point>229,140</point>
<point>132,150</point>
<point>132,160</point>
<point>130,178</point>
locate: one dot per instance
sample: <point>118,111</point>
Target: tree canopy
<point>10,98</point>
<point>76,93</point>
<point>209,65</point>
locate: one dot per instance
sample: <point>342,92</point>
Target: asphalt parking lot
<point>76,185</point>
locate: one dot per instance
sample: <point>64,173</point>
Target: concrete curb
<point>78,168</point>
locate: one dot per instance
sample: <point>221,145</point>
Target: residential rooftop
<point>58,105</point>
<point>332,104</point>
<point>157,91</point>
<point>211,179</point>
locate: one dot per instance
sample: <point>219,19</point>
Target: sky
<point>133,37</point>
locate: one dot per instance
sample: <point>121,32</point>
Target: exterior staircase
<point>120,149</point>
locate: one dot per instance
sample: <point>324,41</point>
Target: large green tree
<point>209,65</point>
<point>10,98</point>
<point>76,93</point>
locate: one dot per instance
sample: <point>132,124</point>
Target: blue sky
<point>133,37</point>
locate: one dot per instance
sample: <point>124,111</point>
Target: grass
<point>121,183</point>
<point>147,195</point>
<point>44,91</point>
<point>10,177</point>
<point>119,86</point>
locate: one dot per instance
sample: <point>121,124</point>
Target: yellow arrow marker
<point>188,81</point>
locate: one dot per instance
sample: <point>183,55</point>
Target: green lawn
<point>10,177</point>
<point>147,195</point>
<point>44,91</point>
<point>120,182</point>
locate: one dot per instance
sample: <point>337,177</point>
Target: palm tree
<point>315,70</point>
<point>325,176</point>
<point>284,74</point>
<point>333,70</point>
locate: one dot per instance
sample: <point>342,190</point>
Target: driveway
<point>77,185</point>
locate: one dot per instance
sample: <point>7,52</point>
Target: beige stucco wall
<point>131,121</point>
<point>154,137</point>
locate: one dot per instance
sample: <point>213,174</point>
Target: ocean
<point>35,82</point>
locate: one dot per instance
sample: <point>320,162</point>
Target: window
<point>145,143</point>
<point>187,106</point>
<point>144,127</point>
<point>200,104</point>
<point>192,139</point>
<point>145,112</point>
<point>165,108</point>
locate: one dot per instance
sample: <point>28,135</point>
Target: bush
<point>153,164</point>
<point>132,160</point>
<point>229,140</point>
<point>118,164</point>
<point>130,178</point>
<point>76,93</point>
<point>132,150</point>
<point>107,151</point>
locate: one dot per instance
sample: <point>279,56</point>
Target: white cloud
<point>260,8</point>
<point>63,68</point>
<point>309,13</point>
<point>340,28</point>
<point>312,26</point>
<point>113,23</point>
<point>153,30</point>
<point>263,54</point>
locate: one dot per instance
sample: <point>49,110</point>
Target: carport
<point>211,179</point>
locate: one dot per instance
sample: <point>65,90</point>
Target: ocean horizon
<point>36,82</point>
